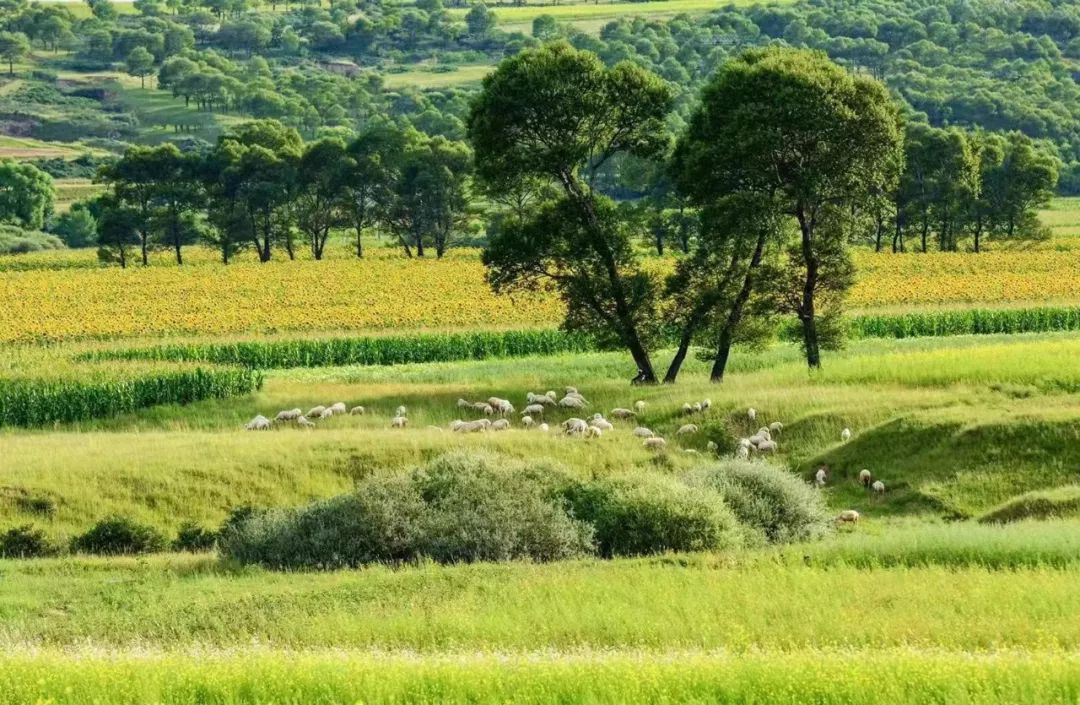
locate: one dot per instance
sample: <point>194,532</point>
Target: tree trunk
<point>680,354</point>
<point>723,352</point>
<point>807,312</point>
<point>359,242</point>
<point>144,244</point>
<point>727,334</point>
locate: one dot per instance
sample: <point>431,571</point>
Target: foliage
<point>26,195</point>
<point>119,536</point>
<point>194,538</point>
<point>16,241</point>
<point>25,542</point>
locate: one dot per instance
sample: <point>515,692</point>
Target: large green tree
<point>808,136</point>
<point>13,47</point>
<point>557,115</point>
<point>26,195</point>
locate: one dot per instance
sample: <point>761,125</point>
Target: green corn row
<point>391,350</point>
<point>966,322</point>
<point>42,401</point>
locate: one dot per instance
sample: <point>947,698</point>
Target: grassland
<point>437,78</point>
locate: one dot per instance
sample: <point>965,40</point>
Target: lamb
<point>848,516</point>
<point>845,435</point>
<point>655,443</point>
<point>315,411</point>
<point>571,403</point>
<point>602,424</point>
<point>401,411</point>
<point>687,429</point>
<point>259,423</point>
<point>304,423</point>
<point>593,432</point>
<point>288,415</point>
<point>357,411</point>
<point>544,428</point>
<point>878,487</point>
<point>399,422</point>
<point>768,447</point>
<point>751,414</point>
<point>642,432</point>
<point>639,406</point>
<point>533,410</point>
<point>339,407</point>
<point>500,425</point>
<point>821,476</point>
<point>776,427</point>
<point>865,477</point>
<point>574,426</point>
<point>527,421</point>
<point>622,414</point>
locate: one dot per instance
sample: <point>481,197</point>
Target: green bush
<point>1057,503</point>
<point>25,542</point>
<point>119,536</point>
<point>768,500</point>
<point>16,241</point>
<point>460,507</point>
<point>643,514</point>
<point>194,538</point>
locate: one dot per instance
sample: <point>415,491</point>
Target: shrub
<point>25,542</point>
<point>194,538</point>
<point>459,507</point>
<point>16,241</point>
<point>119,536</point>
<point>642,514</point>
<point>766,499</point>
<point>1057,503</point>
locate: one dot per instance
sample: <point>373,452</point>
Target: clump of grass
<point>1058,503</point>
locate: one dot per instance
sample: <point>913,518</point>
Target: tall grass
<point>375,350</point>
<point>966,321</point>
<point>896,677</point>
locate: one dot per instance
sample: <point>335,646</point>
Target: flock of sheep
<point>495,415</point>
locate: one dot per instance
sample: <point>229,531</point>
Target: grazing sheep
<point>768,447</point>
<point>602,424</point>
<point>745,443</point>
<point>486,409</point>
<point>706,404</point>
<point>575,395</point>
<point>639,406</point>
<point>543,399</point>
<point>574,426</point>
<point>550,394</point>
<point>712,447</point>
<point>776,427</point>
<point>502,406</point>
<point>304,423</point>
<point>848,516</point>
<point>687,429</point>
<point>865,477</point>
<point>751,414</point>
<point>500,425</point>
<point>339,407</point>
<point>757,439</point>
<point>696,406</point>
<point>845,435</point>
<point>259,423</point>
<point>470,426</point>
<point>878,487</point>
<point>593,432</point>
<point>326,413</point>
<point>315,412</point>
<point>821,476</point>
<point>527,421</point>
<point>533,409</point>
<point>401,411</point>
<point>742,452</point>
<point>571,403</point>
<point>399,422</point>
<point>288,415</point>
<point>655,443</point>
<point>571,390</point>
<point>622,414</point>
<point>357,411</point>
<point>687,409</point>
<point>544,428</point>
<point>642,432</point>
<point>464,404</point>
<point>764,431</point>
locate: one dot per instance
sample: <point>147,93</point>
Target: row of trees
<point>262,188</point>
<point>781,185</point>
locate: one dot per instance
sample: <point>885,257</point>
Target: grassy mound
<point>1058,503</point>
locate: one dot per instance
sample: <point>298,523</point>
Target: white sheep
<point>533,410</point>
<point>304,423</point>
<point>571,390</point>
<point>601,423</point>
<point>500,425</point>
<point>259,423</point>
<point>757,439</point>
<point>687,409</point>
<point>821,476</point>
<point>712,447</point>
<point>326,413</point>
<point>357,411</point>
<point>745,443</point>
<point>315,412</point>
<point>865,478</point>
<point>539,399</point>
<point>339,407</point>
<point>622,414</point>
<point>544,428</point>
<point>401,411</point>
<point>575,395</point>
<point>550,394</point>
<point>751,414</point>
<point>593,432</point>
<point>848,516</point>
<point>655,443</point>
<point>768,447</point>
<point>639,406</point>
<point>776,427</point>
<point>764,431</point>
<point>486,409</point>
<point>642,432</point>
<point>571,403</point>
<point>527,421</point>
<point>288,415</point>
<point>706,404</point>
<point>687,429</point>
<point>845,435</point>
<point>742,452</point>
<point>464,404</point>
<point>399,422</point>
<point>470,426</point>
<point>696,407</point>
<point>574,426</point>
<point>878,487</point>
